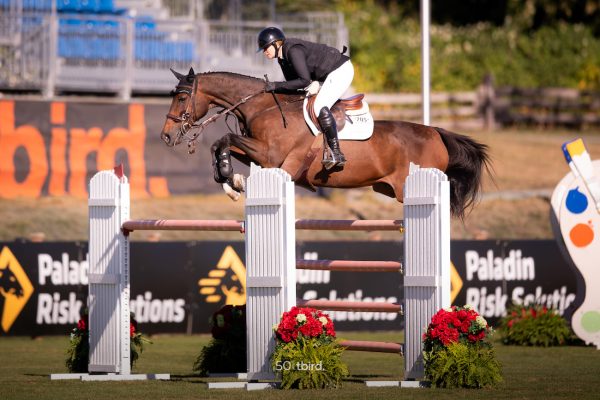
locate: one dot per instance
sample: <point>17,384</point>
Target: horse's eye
<point>181,99</point>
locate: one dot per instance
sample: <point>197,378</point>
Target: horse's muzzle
<point>167,139</point>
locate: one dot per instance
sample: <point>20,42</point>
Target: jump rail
<point>350,225</point>
<point>271,264</point>
<point>350,266</point>
<point>229,225</point>
<point>182,225</point>
<point>338,305</point>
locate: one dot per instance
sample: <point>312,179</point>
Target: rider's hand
<point>270,86</point>
<point>313,88</point>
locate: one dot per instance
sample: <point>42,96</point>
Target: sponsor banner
<point>54,148</point>
<point>44,285</point>
<point>359,286</point>
<point>493,275</point>
<point>176,286</point>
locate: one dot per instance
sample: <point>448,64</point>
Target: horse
<point>274,134</point>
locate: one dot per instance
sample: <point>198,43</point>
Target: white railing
<point>56,52</point>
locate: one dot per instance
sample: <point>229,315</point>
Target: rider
<point>304,65</point>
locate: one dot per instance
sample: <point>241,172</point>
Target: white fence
<point>270,260</point>
<point>125,53</point>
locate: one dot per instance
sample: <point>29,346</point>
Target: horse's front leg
<point>221,160</point>
<point>223,169</point>
<point>249,149</point>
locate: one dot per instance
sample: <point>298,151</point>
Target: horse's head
<point>187,107</point>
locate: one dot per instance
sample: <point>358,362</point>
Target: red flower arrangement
<point>534,325</point>
<point>306,322</point>
<point>516,316</point>
<point>307,354</point>
<point>455,352</point>
<point>455,325</point>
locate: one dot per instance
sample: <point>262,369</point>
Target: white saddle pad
<point>360,126</point>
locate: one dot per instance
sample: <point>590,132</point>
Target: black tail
<point>467,161</point>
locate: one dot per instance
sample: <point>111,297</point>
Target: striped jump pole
<point>182,225</point>
<point>350,225</point>
<point>350,265</point>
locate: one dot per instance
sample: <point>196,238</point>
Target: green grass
<point>529,373</point>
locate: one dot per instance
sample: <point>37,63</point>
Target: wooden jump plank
<point>182,225</point>
<point>350,265</point>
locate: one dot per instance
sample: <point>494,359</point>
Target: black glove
<point>270,86</point>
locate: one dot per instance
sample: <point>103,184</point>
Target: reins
<point>186,116</point>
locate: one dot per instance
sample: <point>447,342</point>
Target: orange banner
<point>53,148</point>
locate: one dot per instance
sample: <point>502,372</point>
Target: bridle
<point>185,118</point>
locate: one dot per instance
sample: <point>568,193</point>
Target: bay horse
<point>274,134</point>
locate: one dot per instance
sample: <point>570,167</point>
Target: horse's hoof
<point>233,195</point>
<point>239,182</point>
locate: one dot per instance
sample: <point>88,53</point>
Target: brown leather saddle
<point>339,113</point>
<point>338,110</point>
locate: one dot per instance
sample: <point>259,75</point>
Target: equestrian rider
<point>305,66</point>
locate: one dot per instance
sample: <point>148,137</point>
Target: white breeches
<point>336,83</point>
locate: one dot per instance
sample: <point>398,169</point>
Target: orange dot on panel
<point>581,235</point>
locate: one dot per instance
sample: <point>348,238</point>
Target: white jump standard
<point>271,265</point>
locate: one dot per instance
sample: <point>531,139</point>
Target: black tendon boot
<point>329,129</point>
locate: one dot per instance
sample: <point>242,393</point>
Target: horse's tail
<point>467,161</point>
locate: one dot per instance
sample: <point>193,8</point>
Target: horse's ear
<point>177,74</point>
<point>191,73</point>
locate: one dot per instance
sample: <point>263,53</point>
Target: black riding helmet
<point>268,36</point>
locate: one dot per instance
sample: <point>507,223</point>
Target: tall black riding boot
<point>329,128</point>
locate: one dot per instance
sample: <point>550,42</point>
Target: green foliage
<point>78,353</point>
<point>221,356</point>
<point>386,52</point>
<point>309,363</point>
<point>79,345</point>
<point>226,352</point>
<point>456,350</point>
<point>463,366</point>
<point>534,326</point>
<point>384,48</point>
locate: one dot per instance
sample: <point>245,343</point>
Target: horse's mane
<point>252,79</point>
<point>232,75</point>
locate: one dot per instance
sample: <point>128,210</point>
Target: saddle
<point>339,109</point>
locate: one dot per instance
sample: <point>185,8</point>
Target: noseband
<point>186,117</point>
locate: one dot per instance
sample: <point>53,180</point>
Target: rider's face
<point>269,51</point>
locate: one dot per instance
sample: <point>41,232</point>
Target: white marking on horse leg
<point>233,194</point>
<point>239,182</point>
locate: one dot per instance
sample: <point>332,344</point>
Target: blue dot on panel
<point>577,202</point>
